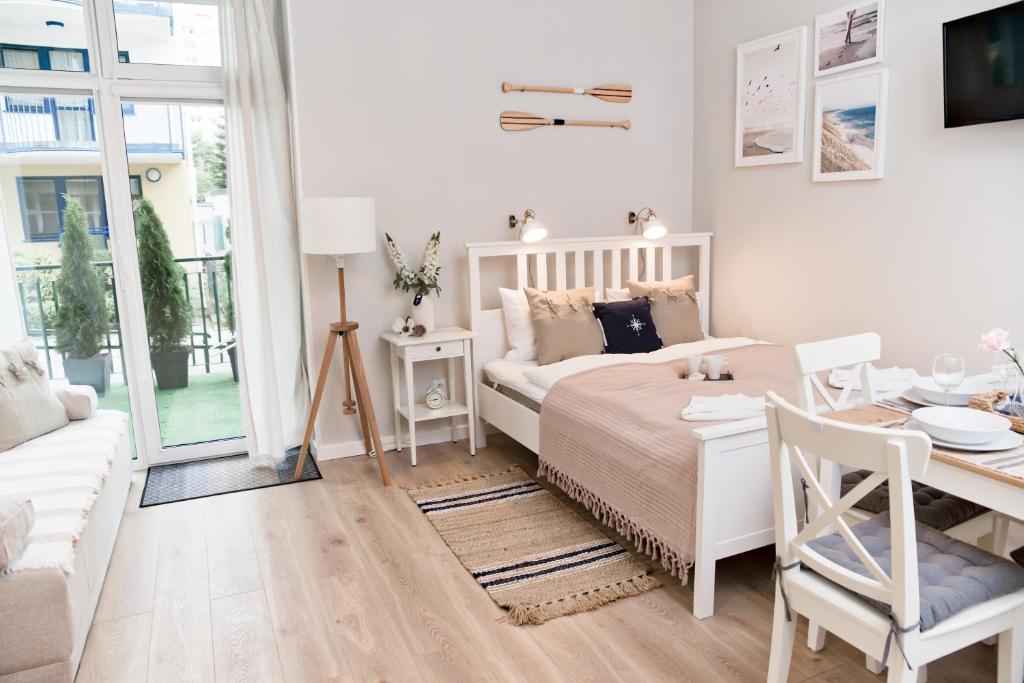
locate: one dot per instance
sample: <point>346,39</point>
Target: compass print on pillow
<point>628,326</point>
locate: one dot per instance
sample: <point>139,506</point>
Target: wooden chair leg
<point>815,637</point>
<point>321,380</point>
<point>1011,651</point>
<point>783,635</point>
<point>365,403</point>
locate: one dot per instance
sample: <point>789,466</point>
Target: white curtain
<point>264,235</point>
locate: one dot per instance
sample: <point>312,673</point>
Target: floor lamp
<point>340,226</point>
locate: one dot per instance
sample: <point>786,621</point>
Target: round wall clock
<point>434,399</point>
<point>153,174</point>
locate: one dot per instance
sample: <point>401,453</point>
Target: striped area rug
<point>533,555</point>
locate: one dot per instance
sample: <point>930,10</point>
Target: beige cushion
<point>564,324</point>
<point>673,307</point>
<point>79,400</point>
<point>28,406</point>
<point>16,519</point>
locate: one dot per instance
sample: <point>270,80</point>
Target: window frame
<point>110,83</point>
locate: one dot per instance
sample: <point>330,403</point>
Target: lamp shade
<point>337,225</point>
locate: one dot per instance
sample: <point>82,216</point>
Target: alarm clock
<point>434,398</point>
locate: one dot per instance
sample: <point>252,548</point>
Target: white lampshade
<point>533,231</point>
<point>655,228</point>
<point>337,225</point>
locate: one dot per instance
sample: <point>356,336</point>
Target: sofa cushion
<point>79,400</point>
<point>28,406</point>
<point>932,506</point>
<point>952,575</point>
<point>62,473</point>
<point>16,520</point>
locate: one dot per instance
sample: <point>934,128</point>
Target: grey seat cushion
<point>952,575</point>
<point>932,506</point>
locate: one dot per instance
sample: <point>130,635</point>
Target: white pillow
<point>79,400</point>
<point>616,294</point>
<point>518,325</point>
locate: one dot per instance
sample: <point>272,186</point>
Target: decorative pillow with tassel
<point>28,406</point>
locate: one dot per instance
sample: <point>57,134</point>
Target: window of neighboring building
<point>43,203</point>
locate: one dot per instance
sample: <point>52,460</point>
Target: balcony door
<point>113,201</point>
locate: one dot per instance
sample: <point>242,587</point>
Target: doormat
<point>216,476</point>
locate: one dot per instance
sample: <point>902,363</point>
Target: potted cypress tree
<point>168,312</point>
<point>82,317</point>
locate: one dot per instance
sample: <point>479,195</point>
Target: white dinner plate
<point>914,397</point>
<point>961,395</point>
<point>1006,442</point>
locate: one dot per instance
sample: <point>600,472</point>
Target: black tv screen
<point>984,66</point>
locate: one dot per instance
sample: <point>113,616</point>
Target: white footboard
<point>734,501</point>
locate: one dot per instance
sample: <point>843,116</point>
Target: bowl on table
<point>961,425</point>
<point>927,389</point>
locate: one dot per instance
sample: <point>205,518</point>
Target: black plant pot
<point>233,357</point>
<point>170,368</point>
<point>94,372</point>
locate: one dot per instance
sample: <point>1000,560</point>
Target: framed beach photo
<point>848,38</point>
<point>770,99</point>
<point>849,126</point>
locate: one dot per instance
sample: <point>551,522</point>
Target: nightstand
<point>448,343</point>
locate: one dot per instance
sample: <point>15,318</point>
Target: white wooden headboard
<point>489,324</point>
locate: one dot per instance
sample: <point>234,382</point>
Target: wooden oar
<point>620,93</point>
<point>520,120</point>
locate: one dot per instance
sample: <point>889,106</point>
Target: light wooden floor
<point>343,580</point>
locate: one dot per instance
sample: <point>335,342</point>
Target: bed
<point>733,513</point>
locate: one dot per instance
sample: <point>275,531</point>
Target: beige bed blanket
<point>613,440</point>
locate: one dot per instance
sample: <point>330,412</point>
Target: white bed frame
<point>734,493</point>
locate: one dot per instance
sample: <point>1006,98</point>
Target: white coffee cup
<point>714,364</point>
<point>694,363</point>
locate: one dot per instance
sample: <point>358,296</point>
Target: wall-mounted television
<point>984,66</point>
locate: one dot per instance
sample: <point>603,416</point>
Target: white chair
<point>840,589</point>
<point>860,351</point>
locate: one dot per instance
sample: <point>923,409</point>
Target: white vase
<point>423,311</point>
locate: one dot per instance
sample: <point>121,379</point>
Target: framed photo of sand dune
<point>770,99</point>
<point>849,126</point>
<point>848,38</point>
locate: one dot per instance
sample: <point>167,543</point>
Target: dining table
<point>978,477</point>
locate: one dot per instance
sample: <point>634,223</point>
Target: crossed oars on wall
<point>518,120</point>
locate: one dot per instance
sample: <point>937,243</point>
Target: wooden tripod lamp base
<point>364,404</point>
<point>338,226</point>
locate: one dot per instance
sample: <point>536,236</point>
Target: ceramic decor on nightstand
<point>449,343</point>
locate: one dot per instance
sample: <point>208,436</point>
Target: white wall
<point>400,100</point>
<point>12,327</point>
<point>930,256</point>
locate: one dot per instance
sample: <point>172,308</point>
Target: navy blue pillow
<point>628,326</point>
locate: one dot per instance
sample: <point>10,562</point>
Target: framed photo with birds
<point>770,99</point>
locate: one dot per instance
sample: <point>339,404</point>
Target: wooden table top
<point>879,416</point>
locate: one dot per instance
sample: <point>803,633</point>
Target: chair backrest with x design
<point>890,454</point>
<point>859,351</point>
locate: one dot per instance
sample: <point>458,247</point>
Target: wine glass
<point>948,372</point>
<point>1006,373</point>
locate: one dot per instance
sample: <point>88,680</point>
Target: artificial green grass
<point>207,410</point>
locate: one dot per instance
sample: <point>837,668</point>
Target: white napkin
<point>883,380</point>
<point>727,407</point>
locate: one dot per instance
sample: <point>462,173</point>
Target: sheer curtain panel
<point>264,235</point>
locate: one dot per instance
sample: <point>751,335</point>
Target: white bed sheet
<point>534,381</point>
<point>511,374</point>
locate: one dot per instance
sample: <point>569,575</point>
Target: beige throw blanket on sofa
<point>613,439</point>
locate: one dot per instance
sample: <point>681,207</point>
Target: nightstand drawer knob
<point>438,349</point>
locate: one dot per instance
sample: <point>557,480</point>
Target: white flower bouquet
<point>423,280</point>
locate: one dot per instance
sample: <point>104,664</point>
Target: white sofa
<point>45,613</point>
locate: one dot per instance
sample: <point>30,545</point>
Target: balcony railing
<point>32,123</point>
<point>207,288</point>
